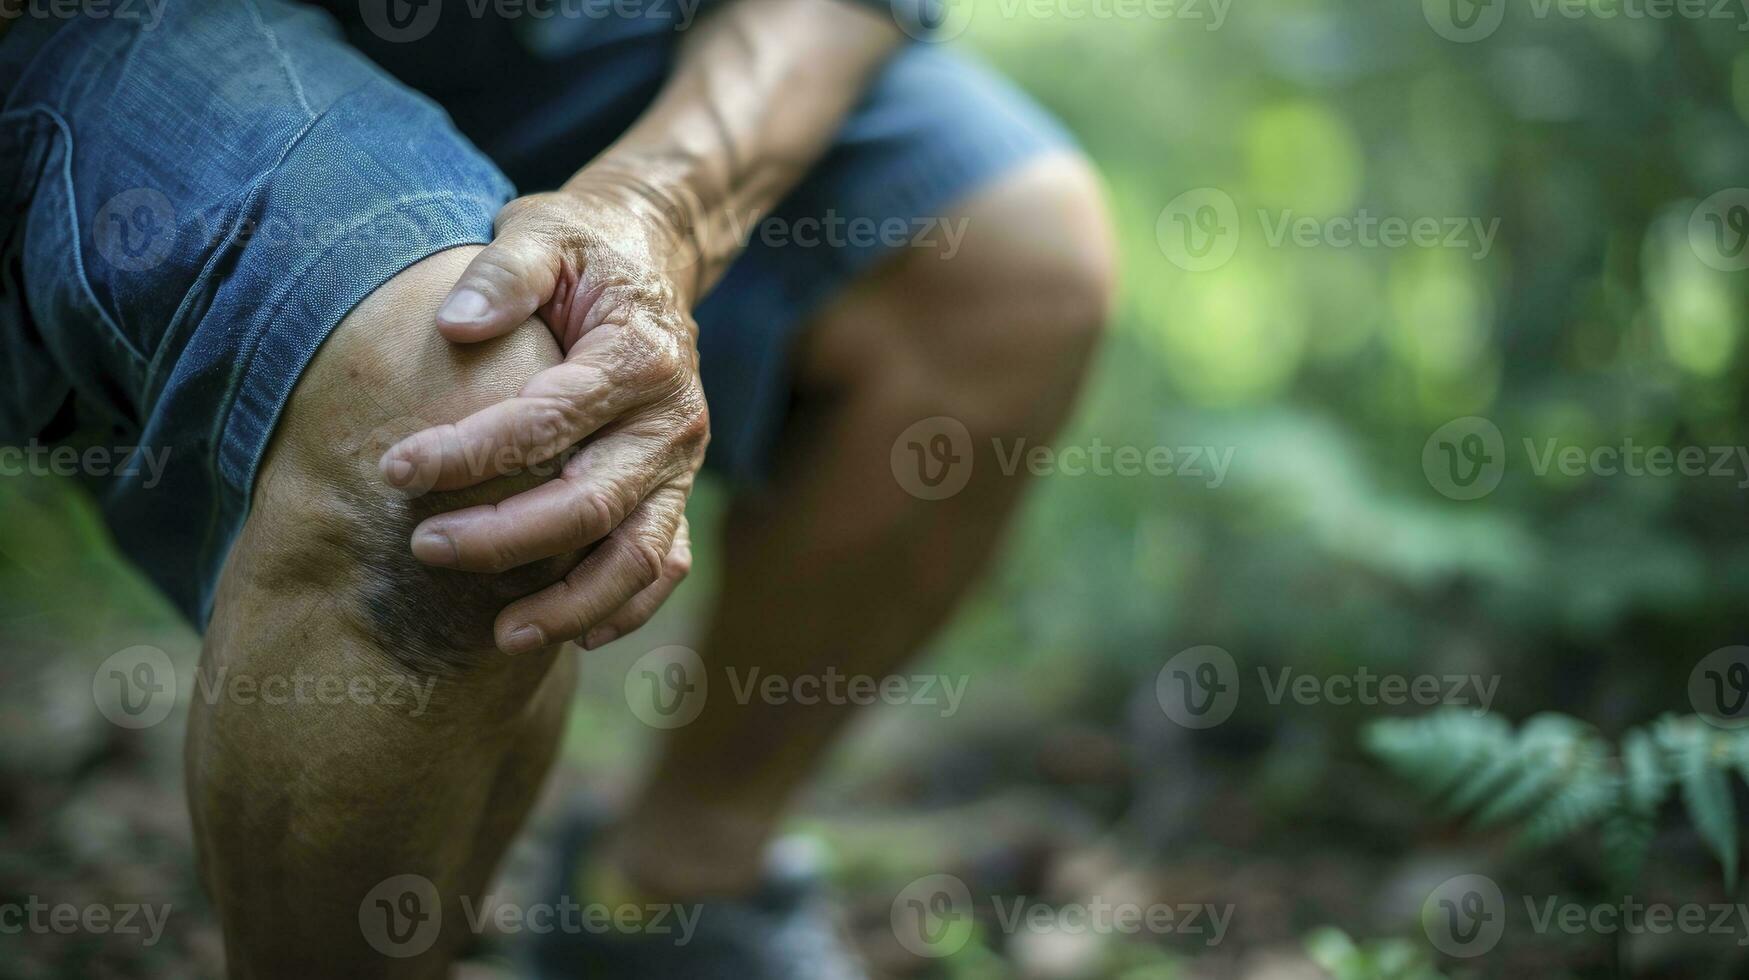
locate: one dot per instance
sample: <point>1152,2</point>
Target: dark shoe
<point>783,931</point>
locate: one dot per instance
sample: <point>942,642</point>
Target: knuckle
<point>693,431</point>
<point>544,429</point>
<point>592,517</point>
<point>567,615</point>
<point>677,565</point>
<point>649,361</point>
<point>646,558</point>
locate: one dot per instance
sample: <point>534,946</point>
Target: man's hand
<point>591,262</point>
<point>613,263</point>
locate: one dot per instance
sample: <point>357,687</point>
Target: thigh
<point>197,202</point>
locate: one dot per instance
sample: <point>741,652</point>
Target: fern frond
<point>1588,791</point>
<point>1706,792</point>
<point>1545,761</point>
<point>1558,776</point>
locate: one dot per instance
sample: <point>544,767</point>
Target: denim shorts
<point>200,191</point>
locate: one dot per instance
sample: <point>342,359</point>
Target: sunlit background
<point>1595,148</point>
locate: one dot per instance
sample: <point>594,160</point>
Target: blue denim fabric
<point>195,203</point>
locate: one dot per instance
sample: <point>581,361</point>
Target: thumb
<point>501,288</point>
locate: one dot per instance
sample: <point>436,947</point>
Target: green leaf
<point>1707,793</point>
<point>1645,779</point>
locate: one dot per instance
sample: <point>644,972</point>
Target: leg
<point>837,564</point>
<point>306,799</point>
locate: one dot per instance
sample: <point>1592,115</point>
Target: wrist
<point>675,214</point>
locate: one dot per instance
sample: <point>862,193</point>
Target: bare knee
<point>1045,242</point>
<point>996,329</point>
<point>325,515</point>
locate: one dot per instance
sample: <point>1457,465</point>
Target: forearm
<point>758,92</point>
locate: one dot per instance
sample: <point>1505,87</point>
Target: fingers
<point>556,409</point>
<point>504,285</point>
<point>631,560</point>
<point>609,373</point>
<point>639,608</point>
<point>601,488</point>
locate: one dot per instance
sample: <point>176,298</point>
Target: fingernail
<point>398,472</point>
<point>523,639</point>
<point>600,636</point>
<point>434,547</point>
<point>464,306</point>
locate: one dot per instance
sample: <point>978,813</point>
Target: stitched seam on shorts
<point>254,188</point>
<point>222,421</point>
<point>77,249</point>
<point>279,53</point>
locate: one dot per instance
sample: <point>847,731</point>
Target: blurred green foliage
<point>1590,320</point>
